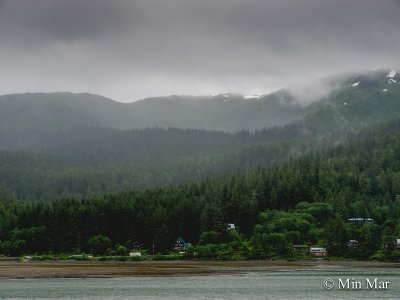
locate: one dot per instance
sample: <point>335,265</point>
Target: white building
<point>318,251</point>
<point>230,226</point>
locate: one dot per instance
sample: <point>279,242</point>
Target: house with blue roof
<point>181,245</point>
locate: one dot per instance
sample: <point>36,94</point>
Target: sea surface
<point>265,284</point>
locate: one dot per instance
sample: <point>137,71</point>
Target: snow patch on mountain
<point>253,96</point>
<point>356,84</point>
<point>391,74</point>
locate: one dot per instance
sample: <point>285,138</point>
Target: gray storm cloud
<point>129,50</point>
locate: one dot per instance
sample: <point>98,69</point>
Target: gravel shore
<point>54,269</point>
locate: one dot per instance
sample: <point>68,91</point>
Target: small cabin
<point>318,251</point>
<point>352,243</point>
<point>230,226</point>
<point>181,245</point>
<point>135,254</point>
<point>360,221</point>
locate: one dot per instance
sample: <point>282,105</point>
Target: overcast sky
<point>132,49</point>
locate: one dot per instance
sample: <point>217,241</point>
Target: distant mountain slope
<point>226,112</point>
<point>63,145</point>
<point>223,112</point>
<point>361,101</point>
<point>60,110</point>
<point>355,101</point>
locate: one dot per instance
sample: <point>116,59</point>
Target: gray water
<point>285,284</point>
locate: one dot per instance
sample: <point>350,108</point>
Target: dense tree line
<point>301,201</point>
<point>87,162</point>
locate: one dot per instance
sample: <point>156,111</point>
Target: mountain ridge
<point>224,112</point>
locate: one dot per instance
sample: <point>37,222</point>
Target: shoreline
<point>69,269</point>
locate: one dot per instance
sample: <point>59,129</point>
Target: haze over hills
<point>362,100</point>
<point>354,99</point>
<point>227,112</point>
<point>63,144</point>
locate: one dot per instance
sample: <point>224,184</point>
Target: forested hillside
<point>302,201</point>
<point>73,145</point>
<point>89,162</point>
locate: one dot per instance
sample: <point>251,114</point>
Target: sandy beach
<point>53,269</point>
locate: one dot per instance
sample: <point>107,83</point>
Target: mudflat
<point>55,269</point>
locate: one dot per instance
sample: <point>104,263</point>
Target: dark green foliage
<point>12,248</point>
<point>226,251</point>
<point>212,221</point>
<point>25,240</point>
<point>336,236</point>
<point>302,201</point>
<point>121,250</point>
<point>99,244</point>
